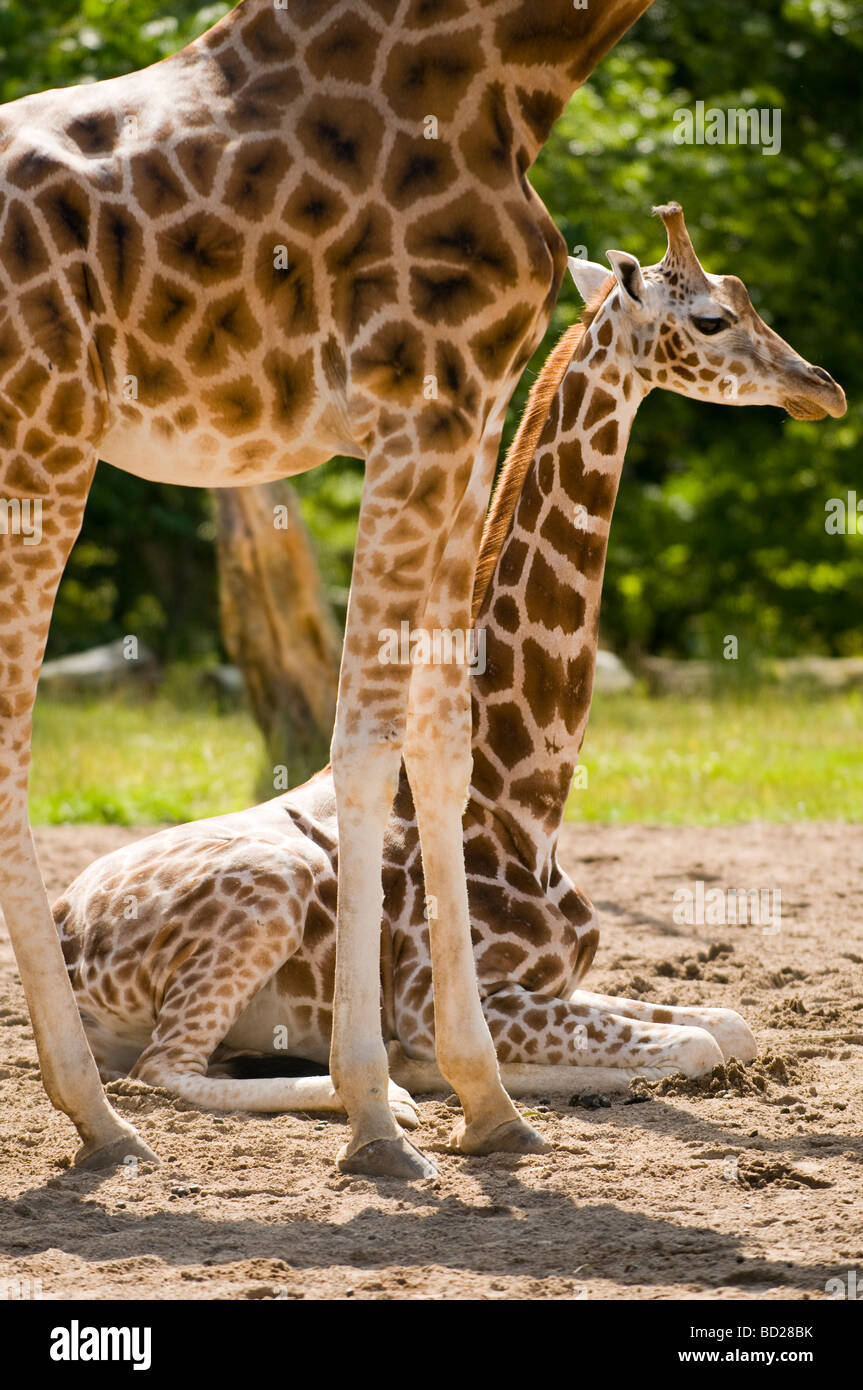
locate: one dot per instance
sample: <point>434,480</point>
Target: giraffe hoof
<point>733,1035</point>
<point>387,1158</point>
<point>126,1150</point>
<point>514,1137</point>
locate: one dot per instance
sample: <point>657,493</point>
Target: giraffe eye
<point>709,326</point>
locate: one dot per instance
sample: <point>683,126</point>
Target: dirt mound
<point>755,1172</point>
<point>728,1078</point>
<point>137,1098</point>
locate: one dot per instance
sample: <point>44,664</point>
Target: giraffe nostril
<point>823,376</point>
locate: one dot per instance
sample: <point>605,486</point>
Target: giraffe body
<point>233,945</point>
<point>309,232</point>
<point>254,974</point>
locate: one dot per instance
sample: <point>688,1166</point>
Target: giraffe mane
<point>523,447</point>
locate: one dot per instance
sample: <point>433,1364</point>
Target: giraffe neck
<point>544,52</point>
<point>525,58</point>
<point>540,613</point>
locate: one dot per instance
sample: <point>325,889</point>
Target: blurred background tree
<point>720,522</point>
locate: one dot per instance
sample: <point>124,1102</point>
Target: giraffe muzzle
<point>818,395</point>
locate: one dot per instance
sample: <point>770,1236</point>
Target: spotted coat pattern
<point>231,933</point>
<point>227,268</point>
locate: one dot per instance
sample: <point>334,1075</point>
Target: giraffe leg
<point>547,1044</point>
<point>366,757</point>
<point>30,570</point>
<point>526,1079</point>
<point>531,1028</point>
<point>464,1047</point>
<point>729,1029</point>
<point>405,522</point>
<point>438,762</point>
<point>196,1014</point>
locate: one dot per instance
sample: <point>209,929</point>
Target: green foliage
<point>719,526</point>
<point>672,760</point>
<point>54,43</point>
<point>684,761</point>
<point>720,522</point>
<point>121,761</point>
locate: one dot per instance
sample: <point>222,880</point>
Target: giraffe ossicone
<point>238,936</point>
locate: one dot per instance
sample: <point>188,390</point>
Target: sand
<point>746,1185</point>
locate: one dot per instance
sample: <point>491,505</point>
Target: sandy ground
<point>747,1186</point>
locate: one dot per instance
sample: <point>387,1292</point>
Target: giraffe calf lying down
<point>219,937</point>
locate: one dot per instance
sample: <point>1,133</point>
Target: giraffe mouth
<point>802,408</point>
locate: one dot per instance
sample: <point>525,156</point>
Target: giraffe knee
<point>439,765</point>
<point>366,771</point>
<point>157,1063</point>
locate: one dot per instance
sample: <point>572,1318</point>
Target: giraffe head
<point>699,335</point>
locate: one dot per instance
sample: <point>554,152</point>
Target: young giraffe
<point>308,233</point>
<point>222,932</point>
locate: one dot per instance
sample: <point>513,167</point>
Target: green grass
<point>770,756</point>
<point>131,763</point>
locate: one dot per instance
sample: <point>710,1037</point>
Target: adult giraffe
<point>308,233</point>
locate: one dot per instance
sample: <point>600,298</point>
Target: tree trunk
<point>277,627</point>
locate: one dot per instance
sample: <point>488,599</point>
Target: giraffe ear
<point>627,273</point>
<point>588,276</point>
